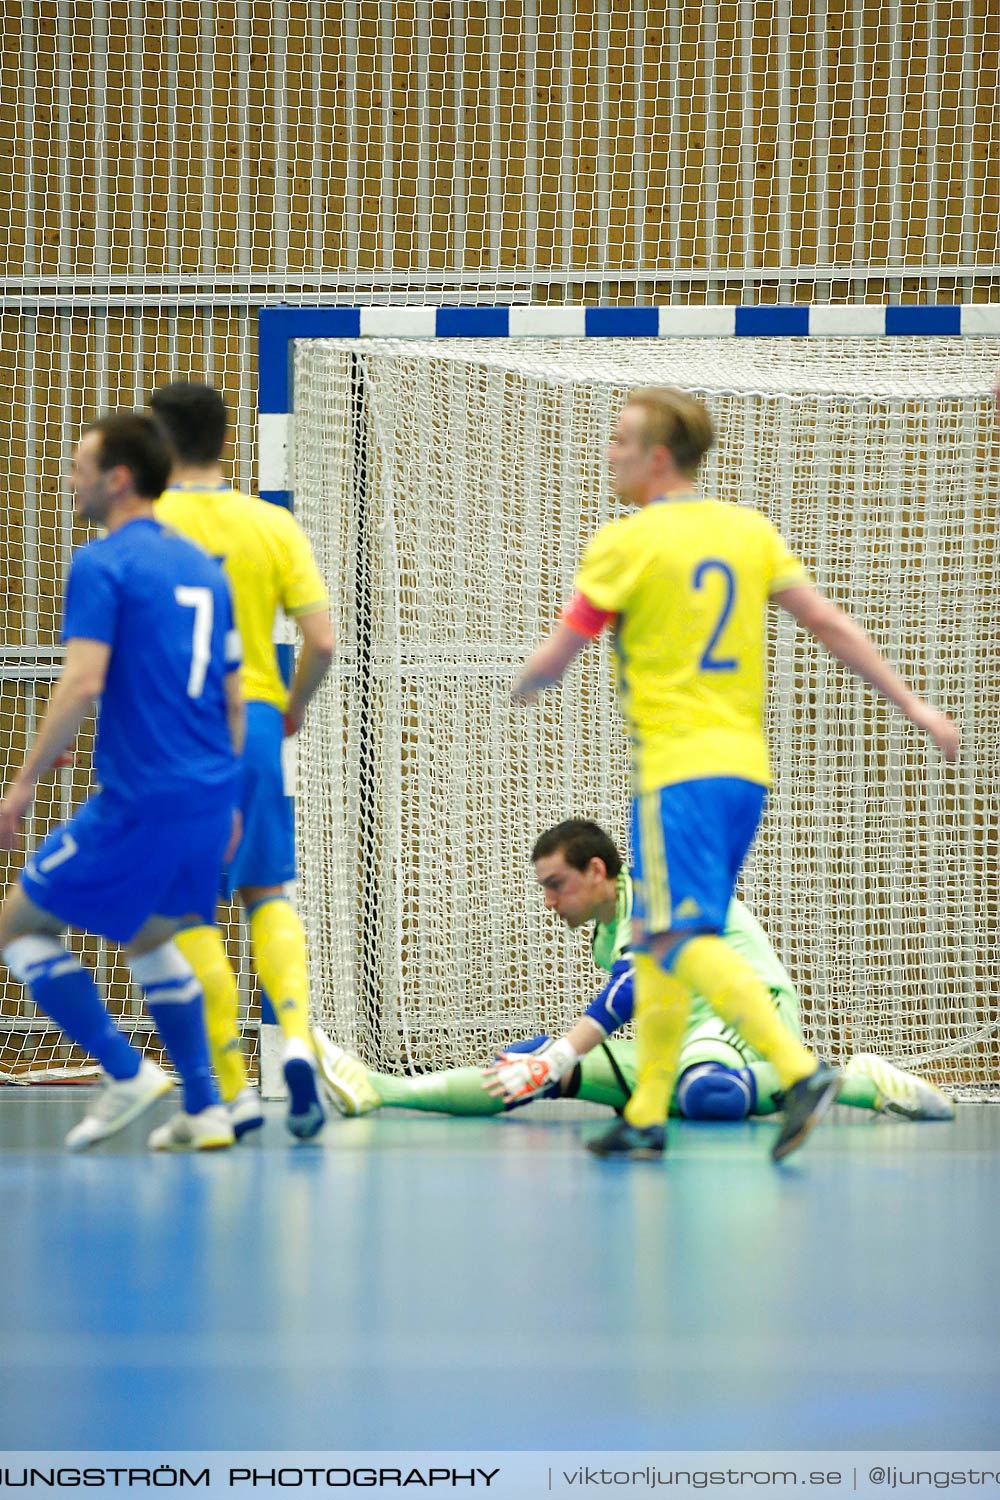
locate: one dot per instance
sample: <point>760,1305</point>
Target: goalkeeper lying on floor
<point>720,1078</point>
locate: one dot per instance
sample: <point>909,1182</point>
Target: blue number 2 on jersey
<point>710,663</point>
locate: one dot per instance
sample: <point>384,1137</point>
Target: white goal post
<point>448,479</point>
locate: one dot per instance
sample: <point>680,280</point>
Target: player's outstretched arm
<point>845,639</point>
<point>519,1076</point>
<point>80,684</point>
<point>546,666</point>
<point>315,659</point>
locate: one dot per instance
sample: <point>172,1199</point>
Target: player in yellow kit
<point>270,567</point>
<point>685,583</point>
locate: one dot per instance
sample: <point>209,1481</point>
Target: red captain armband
<point>585,618</point>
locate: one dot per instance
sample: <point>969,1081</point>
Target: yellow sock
<point>709,966</point>
<point>278,945</point>
<point>662,1005</point>
<point>206,953</point>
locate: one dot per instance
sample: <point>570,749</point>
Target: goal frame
<point>281,327</point>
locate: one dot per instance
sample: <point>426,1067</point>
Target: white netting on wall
<point>449,490</point>
<point>168,168</point>
<point>474,146</point>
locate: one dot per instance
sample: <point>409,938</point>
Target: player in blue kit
<point>148,630</point>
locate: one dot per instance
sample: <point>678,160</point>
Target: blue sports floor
<point>414,1282</point>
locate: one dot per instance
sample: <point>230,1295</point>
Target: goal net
<point>448,489</point>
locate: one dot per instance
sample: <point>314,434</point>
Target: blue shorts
<point>266,855</point>
<point>689,841</point>
<point>110,867</point>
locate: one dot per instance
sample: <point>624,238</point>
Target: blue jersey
<point>163,606</point>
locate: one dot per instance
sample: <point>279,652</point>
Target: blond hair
<point>682,424</point>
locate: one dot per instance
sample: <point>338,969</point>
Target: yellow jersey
<point>269,562</point>
<point>689,580</point>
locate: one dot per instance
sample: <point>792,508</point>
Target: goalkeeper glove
<point>520,1076</point>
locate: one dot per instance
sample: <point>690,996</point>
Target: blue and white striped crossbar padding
<point>279,327</point>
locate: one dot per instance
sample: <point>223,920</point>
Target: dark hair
<point>195,418</point>
<point>135,442</point>
<point>580,842</point>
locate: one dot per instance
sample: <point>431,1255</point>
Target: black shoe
<point>806,1102</point>
<point>623,1139</point>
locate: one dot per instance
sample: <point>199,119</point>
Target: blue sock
<point>175,1002</point>
<point>64,990</point>
<point>182,1032</point>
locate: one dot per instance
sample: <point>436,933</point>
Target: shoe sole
<point>342,1097</point>
<point>823,1104</point>
<point>931,1103</point>
<point>218,1143</point>
<point>919,1112</point>
<point>634,1153</point>
<point>305,1112</point>
<point>245,1126</point>
<point>339,1097</point>
<point>137,1109</point>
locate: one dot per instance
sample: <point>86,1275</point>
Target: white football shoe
<point>246,1112</point>
<point>119,1103</point>
<point>348,1086</point>
<point>900,1093</point>
<point>209,1130</point>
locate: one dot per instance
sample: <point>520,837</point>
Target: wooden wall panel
<point>421,137</point>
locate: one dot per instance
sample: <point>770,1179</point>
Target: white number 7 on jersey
<point>200,600</point>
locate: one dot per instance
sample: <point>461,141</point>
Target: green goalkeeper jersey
<point>610,943</point>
